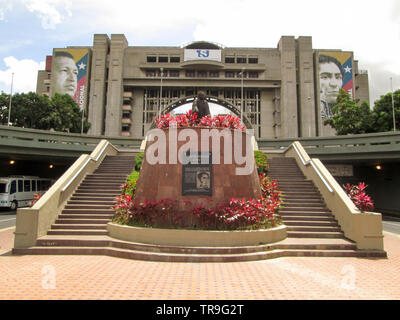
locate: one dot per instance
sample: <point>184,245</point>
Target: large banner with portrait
<point>70,74</point>
<point>334,71</point>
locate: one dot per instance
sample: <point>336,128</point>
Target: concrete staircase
<point>303,208</point>
<point>89,209</point>
<point>81,227</point>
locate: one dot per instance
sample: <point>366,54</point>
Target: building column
<point>97,97</point>
<point>289,120</point>
<point>306,87</point>
<point>115,85</point>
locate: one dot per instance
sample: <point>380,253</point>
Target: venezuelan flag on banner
<point>81,59</point>
<point>346,60</point>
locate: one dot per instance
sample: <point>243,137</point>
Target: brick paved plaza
<point>103,277</point>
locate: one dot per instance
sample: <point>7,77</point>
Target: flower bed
<point>190,119</point>
<point>237,214</point>
<point>233,214</point>
<point>357,194</point>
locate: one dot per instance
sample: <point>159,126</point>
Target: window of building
<point>241,60</point>
<point>164,73</point>
<point>202,74</point>
<point>253,74</point>
<point>174,73</point>
<point>175,94</point>
<point>125,128</point>
<point>150,73</point>
<point>162,59</point>
<point>214,93</point>
<point>151,59</point>
<point>229,74</point>
<point>253,60</point>
<point>126,115</point>
<point>229,59</point>
<point>239,74</point>
<point>214,74</point>
<point>175,59</point>
<point>189,73</point>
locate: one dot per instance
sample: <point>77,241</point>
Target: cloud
<point>49,11</point>
<point>25,74</point>
<point>4,7</point>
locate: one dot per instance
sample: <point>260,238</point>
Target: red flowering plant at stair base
<point>241,213</point>
<point>190,120</point>
<point>36,197</point>
<point>357,194</point>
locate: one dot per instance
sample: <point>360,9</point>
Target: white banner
<point>202,54</point>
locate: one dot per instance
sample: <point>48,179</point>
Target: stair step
<point>303,202</point>
<point>77,232</point>
<point>100,187</point>
<point>94,215</point>
<point>311,205</point>
<point>310,223</point>
<point>87,211</point>
<point>75,206</point>
<point>83,221</point>
<point>300,206</point>
<point>165,257</point>
<point>298,234</point>
<point>309,228</point>
<point>105,176</point>
<point>288,218</point>
<point>93,198</point>
<point>305,213</point>
<point>71,241</point>
<point>79,227</point>
<point>93,193</point>
<point>95,202</point>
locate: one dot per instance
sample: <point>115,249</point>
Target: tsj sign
<point>202,54</point>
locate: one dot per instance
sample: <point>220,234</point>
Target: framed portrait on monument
<point>197,173</point>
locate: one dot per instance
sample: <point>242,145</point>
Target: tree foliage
<point>30,110</point>
<point>349,117</point>
<point>383,112</point>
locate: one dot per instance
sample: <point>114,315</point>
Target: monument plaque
<point>197,174</point>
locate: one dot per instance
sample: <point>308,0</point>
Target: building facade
<point>287,90</point>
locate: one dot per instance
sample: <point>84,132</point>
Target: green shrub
<point>138,161</point>
<point>261,162</point>
<point>130,186</point>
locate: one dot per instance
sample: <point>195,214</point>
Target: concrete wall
<point>306,94</point>
<point>97,96</point>
<point>289,122</point>
<point>115,85</point>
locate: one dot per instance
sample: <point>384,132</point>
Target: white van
<point>18,191</point>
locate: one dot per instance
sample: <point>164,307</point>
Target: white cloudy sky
<point>30,29</point>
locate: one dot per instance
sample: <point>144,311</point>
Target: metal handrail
<point>321,176</point>
<point>76,174</point>
<point>85,164</point>
<point>314,167</point>
<point>299,154</point>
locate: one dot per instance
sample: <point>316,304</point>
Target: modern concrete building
<point>126,86</point>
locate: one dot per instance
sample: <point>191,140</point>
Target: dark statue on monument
<point>200,105</point>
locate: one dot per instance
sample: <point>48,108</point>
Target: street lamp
<point>241,103</point>
<point>9,107</point>
<point>159,112</point>
<point>394,117</point>
<point>83,111</point>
